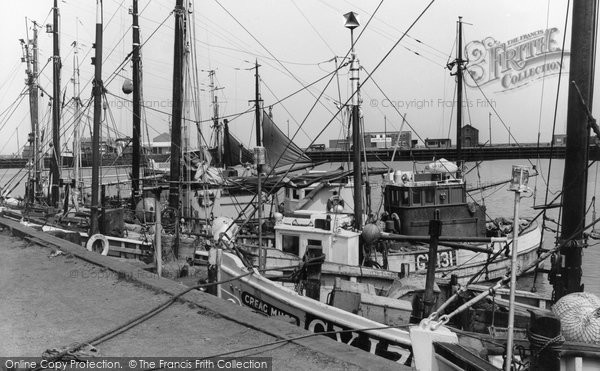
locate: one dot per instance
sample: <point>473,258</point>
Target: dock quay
<point>56,293</point>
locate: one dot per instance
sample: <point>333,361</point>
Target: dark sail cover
<point>234,152</point>
<point>281,150</point>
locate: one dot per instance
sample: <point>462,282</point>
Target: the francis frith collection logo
<point>516,62</point>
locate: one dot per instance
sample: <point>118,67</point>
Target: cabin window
<point>429,196</point>
<point>456,195</point>
<point>405,197</point>
<point>295,194</point>
<point>395,198</point>
<point>315,242</point>
<point>416,196</point>
<point>290,244</point>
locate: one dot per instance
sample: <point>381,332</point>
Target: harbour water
<point>498,200</point>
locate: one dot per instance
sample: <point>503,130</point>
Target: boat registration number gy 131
<point>445,259</point>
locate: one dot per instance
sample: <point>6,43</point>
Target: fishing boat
<point>328,215</point>
<point>433,345</point>
<point>94,224</point>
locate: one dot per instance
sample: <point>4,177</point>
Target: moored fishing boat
<point>544,349</point>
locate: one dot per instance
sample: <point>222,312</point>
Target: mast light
<point>351,20</point>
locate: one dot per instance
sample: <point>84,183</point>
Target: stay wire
<point>317,101</point>
<point>341,106</point>
<point>394,106</point>
<point>489,103</point>
<point>277,60</point>
<point>552,146</point>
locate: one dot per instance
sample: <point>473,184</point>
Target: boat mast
<point>215,118</point>
<point>56,159</point>
<point>581,74</point>
<point>260,160</point>
<point>459,104</point>
<point>34,141</point>
<point>177,106</point>
<point>177,111</point>
<point>352,23</point>
<point>77,118</point>
<point>257,104</point>
<point>135,162</point>
<point>97,91</point>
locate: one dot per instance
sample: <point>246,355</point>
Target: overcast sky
<point>295,43</point>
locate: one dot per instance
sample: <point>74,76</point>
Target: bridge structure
<point>496,152</point>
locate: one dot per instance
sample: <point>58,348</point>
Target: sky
<point>295,43</point>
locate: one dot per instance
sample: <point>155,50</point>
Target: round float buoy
<point>145,209</point>
<point>127,86</point>
<point>371,233</point>
<point>98,237</point>
<point>579,315</point>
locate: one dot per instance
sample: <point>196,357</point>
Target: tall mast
<point>459,87</point>
<point>257,104</point>
<point>32,72</point>
<point>177,106</point>
<point>38,158</point>
<point>215,118</point>
<point>352,23</point>
<point>56,159</point>
<point>97,91</point>
<point>135,162</point>
<point>581,74</point>
<point>77,118</point>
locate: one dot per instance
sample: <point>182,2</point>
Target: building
<point>160,145</point>
<point>377,139</point>
<point>382,139</point>
<point>559,139</point>
<point>343,144</point>
<point>469,136</point>
<point>438,143</point>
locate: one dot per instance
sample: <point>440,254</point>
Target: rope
<point>446,317</point>
<point>542,342</point>
<point>135,321</point>
<point>72,350</point>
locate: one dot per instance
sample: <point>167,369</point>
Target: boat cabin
<point>320,197</point>
<point>324,233</point>
<point>411,199</point>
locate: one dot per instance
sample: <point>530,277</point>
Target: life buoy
<point>333,203</point>
<point>98,237</point>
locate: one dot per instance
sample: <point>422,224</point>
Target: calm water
<point>499,201</point>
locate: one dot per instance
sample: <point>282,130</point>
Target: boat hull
<point>465,264</point>
<point>271,299</point>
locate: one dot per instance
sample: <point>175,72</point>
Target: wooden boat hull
<point>272,299</point>
<point>465,264</point>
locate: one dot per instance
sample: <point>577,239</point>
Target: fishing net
<point>579,315</point>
